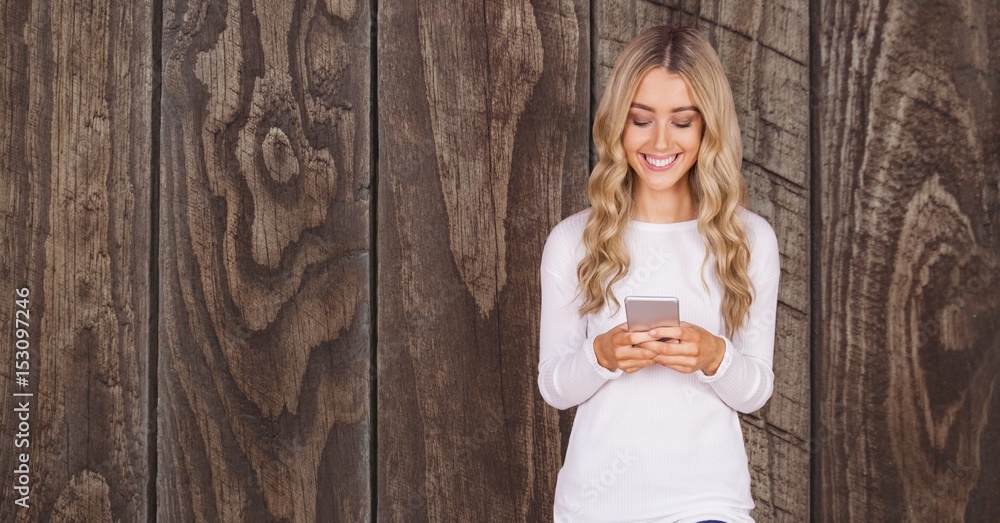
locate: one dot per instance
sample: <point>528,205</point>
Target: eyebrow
<point>674,110</point>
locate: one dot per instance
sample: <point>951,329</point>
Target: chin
<point>656,182</point>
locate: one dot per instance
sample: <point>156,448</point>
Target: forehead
<point>662,91</point>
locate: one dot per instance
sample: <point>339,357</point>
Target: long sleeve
<point>745,379</point>
<point>568,371</point>
<point>671,439</point>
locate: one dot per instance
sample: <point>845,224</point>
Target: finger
<point>687,334</point>
<point>680,368</point>
<point>667,332</point>
<point>694,331</point>
<point>636,365</point>
<point>676,348</point>
<point>636,353</point>
<point>624,339</point>
<point>617,331</point>
<point>659,347</point>
<point>644,336</point>
<point>684,364</point>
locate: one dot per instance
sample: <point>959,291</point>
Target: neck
<point>668,206</point>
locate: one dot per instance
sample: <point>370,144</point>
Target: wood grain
<point>75,91</point>
<point>264,331</point>
<point>909,256</point>
<point>262,313</point>
<point>764,49</point>
<point>482,150</point>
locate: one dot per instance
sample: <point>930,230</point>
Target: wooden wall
<point>264,252</point>
<point>907,247</point>
<point>76,149</point>
<point>282,257</point>
<point>483,130</point>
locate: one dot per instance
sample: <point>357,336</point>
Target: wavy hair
<point>717,184</point>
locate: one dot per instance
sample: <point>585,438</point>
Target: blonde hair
<point>717,184</point>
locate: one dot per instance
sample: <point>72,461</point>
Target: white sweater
<point>656,445</point>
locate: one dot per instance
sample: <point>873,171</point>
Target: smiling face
<point>662,136</point>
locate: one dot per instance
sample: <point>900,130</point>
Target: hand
<point>616,349</point>
<point>691,348</point>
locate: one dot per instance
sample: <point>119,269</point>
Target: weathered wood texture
<point>764,48</point>
<point>261,308</point>
<point>483,136</point>
<point>75,90</point>
<point>265,351</point>
<point>908,355</point>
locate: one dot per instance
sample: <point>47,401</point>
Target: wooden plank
<point>482,150</point>
<point>75,136</point>
<point>763,47</point>
<point>909,252</point>
<point>264,334</point>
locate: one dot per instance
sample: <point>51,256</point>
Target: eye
<point>683,125</point>
<point>637,123</point>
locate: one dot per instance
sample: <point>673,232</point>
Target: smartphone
<point>643,313</point>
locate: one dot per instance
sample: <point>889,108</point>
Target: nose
<point>663,139</point>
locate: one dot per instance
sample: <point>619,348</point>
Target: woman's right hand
<point>615,349</point>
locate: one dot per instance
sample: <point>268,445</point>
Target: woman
<point>657,437</point>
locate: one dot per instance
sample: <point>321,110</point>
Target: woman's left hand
<point>692,348</point>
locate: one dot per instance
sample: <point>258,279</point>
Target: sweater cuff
<point>592,358</point>
<point>727,360</point>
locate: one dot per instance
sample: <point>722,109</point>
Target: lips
<point>658,163</point>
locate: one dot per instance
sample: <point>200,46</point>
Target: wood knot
<point>279,158</point>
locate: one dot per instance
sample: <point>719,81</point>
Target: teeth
<point>660,163</point>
